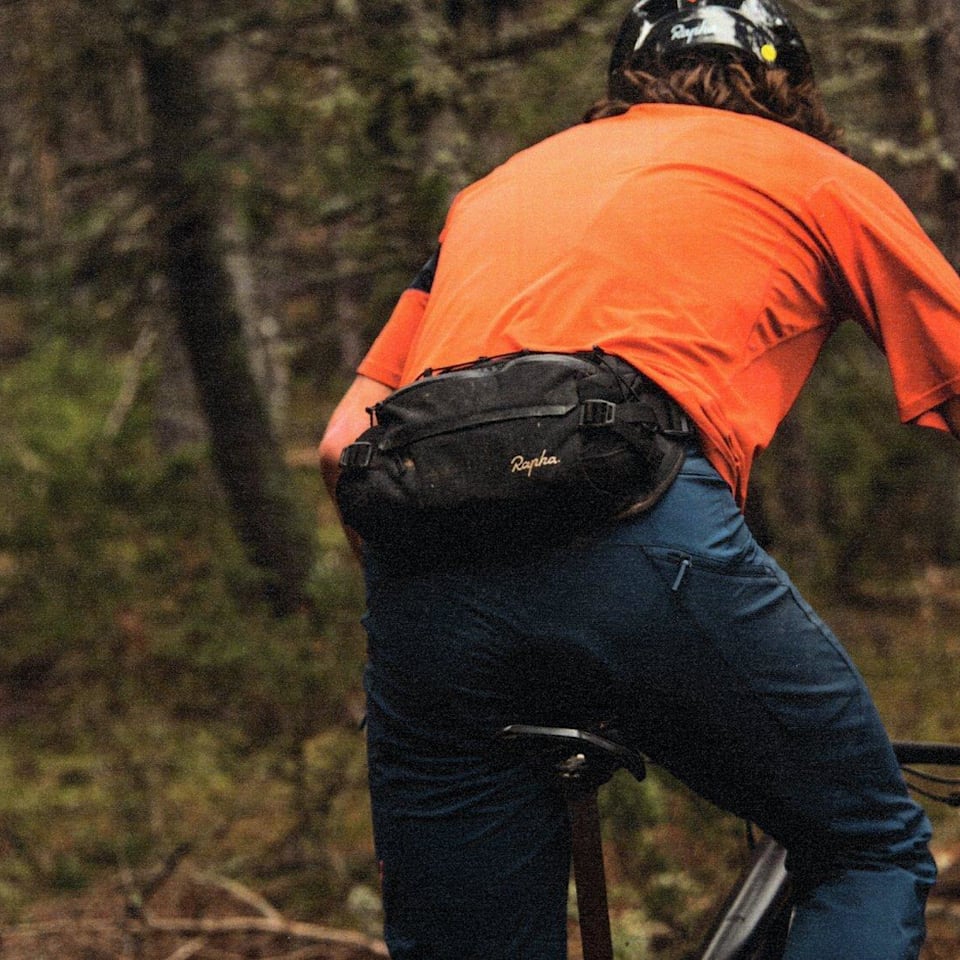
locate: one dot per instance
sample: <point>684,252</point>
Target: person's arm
<point>950,410</point>
<point>348,421</point>
<point>383,363</point>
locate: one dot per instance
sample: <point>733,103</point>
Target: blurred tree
<point>942,60</point>
<point>188,198</point>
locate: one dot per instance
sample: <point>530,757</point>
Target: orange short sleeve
<point>385,360</point>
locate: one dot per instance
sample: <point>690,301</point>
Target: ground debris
<point>178,913</point>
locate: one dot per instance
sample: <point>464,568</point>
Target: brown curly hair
<point>727,82</point>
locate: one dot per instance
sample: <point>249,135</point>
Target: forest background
<point>207,208</point>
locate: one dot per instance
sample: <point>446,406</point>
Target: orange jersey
<point>714,251</point>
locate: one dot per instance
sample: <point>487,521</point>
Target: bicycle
<point>754,921</point>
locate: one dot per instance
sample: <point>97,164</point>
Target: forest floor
<point>189,914</point>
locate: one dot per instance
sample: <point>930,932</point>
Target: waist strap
<point>654,410</point>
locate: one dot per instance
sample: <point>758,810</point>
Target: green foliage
<point>851,497</point>
<point>147,696</point>
<point>119,559</point>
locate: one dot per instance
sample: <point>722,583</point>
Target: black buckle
<point>680,426</point>
<point>597,413</point>
<point>356,455</point>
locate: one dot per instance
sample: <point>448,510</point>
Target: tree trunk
<point>943,62</point>
<point>273,525</point>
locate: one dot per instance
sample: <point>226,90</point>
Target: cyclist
<point>703,224</point>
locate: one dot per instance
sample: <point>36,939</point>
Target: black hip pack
<point>488,455</point>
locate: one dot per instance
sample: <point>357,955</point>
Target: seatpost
<point>584,761</point>
<point>588,871</point>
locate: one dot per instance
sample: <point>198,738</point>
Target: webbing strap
<point>655,411</point>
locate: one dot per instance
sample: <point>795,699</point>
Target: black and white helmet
<point>656,29</point>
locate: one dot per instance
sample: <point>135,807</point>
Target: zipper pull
<point>681,573</point>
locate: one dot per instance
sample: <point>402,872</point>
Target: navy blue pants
<point>677,624</point>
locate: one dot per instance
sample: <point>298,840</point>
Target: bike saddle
<point>579,757</point>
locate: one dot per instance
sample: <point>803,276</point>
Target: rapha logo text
<point>689,34</point>
<point>520,464</point>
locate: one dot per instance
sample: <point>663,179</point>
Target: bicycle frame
<point>754,921</point>
<point>756,915</point>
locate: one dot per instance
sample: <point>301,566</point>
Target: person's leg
<point>741,690</point>
<point>785,734</point>
<point>473,843</point>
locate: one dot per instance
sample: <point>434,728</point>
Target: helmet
<point>654,28</point>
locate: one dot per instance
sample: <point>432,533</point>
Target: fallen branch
<point>239,892</point>
<point>136,921</point>
<point>200,930</point>
<point>279,926</point>
<point>188,949</point>
<point>314,952</point>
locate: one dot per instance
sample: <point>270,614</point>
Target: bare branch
<point>133,375</point>
<point>817,11</point>
<point>360,947</point>
<point>304,953</point>
<point>887,37</point>
<point>278,47</point>
<point>239,892</point>
<point>881,148</point>
<point>120,160</point>
<point>188,949</point>
<point>366,947</point>
<point>543,38</point>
